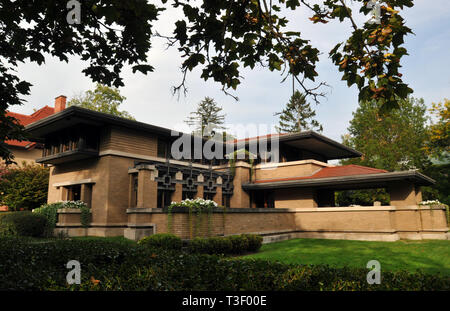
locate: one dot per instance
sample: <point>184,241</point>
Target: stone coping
<point>69,211</point>
<point>138,210</point>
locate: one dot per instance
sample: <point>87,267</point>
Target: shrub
<point>24,188</point>
<point>119,266</point>
<point>254,242</point>
<point>214,245</point>
<point>240,244</point>
<point>235,244</point>
<point>23,224</point>
<point>162,240</point>
<point>50,211</point>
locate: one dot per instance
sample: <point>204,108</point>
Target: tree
<point>207,119</point>
<point>394,141</point>
<point>103,99</point>
<point>24,188</point>
<point>218,36</point>
<point>438,148</point>
<point>297,116</point>
<point>439,143</point>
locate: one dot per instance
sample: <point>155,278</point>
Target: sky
<point>261,94</point>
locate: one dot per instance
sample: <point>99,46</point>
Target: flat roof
<point>360,181</point>
<point>309,140</point>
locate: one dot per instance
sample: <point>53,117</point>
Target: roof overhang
<point>79,116</point>
<point>73,116</point>
<point>309,141</point>
<point>378,180</point>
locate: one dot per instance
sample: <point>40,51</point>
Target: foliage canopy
<point>218,37</point>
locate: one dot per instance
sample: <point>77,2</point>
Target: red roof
<point>335,171</point>
<point>25,120</point>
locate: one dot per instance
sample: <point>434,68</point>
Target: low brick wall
<point>384,223</point>
<point>380,223</point>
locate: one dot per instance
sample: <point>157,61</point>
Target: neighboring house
<point>27,151</point>
<point>124,170</point>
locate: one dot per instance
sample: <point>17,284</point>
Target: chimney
<point>60,103</point>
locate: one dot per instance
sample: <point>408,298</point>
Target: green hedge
<point>116,266</point>
<point>234,244</point>
<point>162,240</point>
<point>22,224</point>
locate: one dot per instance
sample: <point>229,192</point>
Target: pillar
<point>177,195</point>
<point>147,187</point>
<point>404,193</point>
<point>218,196</point>
<point>240,198</point>
<point>86,194</point>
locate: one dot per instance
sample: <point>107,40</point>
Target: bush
<point>24,188</point>
<point>23,224</point>
<point>50,211</point>
<point>235,244</point>
<point>162,240</point>
<point>214,245</point>
<point>240,244</point>
<point>108,265</point>
<point>254,242</point>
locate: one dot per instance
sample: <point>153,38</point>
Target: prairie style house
<point>126,172</point>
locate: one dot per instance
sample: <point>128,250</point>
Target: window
<point>74,193</point>
<point>208,196</point>
<point>264,199</point>
<point>226,200</point>
<point>188,195</point>
<point>162,149</point>
<point>164,198</point>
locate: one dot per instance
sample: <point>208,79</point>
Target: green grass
<point>431,256</point>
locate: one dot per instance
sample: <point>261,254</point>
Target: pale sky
<point>149,98</point>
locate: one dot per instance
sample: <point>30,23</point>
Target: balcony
<point>68,156</point>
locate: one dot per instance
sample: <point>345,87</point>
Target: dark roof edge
<point>380,177</point>
<point>308,134</point>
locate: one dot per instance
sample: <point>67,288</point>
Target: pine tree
<point>297,116</point>
<point>207,119</point>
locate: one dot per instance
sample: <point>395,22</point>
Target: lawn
<point>432,256</point>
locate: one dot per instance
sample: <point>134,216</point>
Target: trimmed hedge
<point>108,265</point>
<point>23,224</point>
<point>162,240</point>
<point>234,244</point>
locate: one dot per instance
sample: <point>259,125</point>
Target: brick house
<point>127,173</point>
<point>28,151</point>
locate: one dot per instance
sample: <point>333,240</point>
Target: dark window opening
<point>208,196</point>
<point>164,198</point>
<point>226,200</point>
<point>74,193</point>
<point>188,195</point>
<point>264,199</point>
<point>162,149</point>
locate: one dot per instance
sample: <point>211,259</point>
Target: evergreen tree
<point>297,116</point>
<point>207,119</point>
